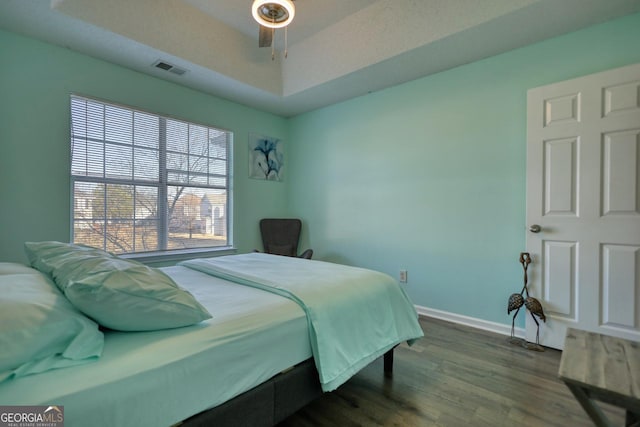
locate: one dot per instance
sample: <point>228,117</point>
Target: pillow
<point>39,329</point>
<point>119,294</point>
<point>15,268</point>
<point>45,256</point>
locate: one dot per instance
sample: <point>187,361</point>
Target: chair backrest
<point>280,235</point>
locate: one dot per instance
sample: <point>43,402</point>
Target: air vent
<point>178,71</point>
<point>163,65</point>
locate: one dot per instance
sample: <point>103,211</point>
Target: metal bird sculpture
<point>516,301</point>
<point>532,304</point>
<point>535,308</point>
<point>525,260</point>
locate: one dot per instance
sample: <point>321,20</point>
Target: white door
<point>583,191</point>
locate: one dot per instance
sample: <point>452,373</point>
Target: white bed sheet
<point>159,378</point>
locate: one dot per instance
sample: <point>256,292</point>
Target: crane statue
<point>516,301</point>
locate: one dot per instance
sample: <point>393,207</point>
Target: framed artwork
<point>266,158</point>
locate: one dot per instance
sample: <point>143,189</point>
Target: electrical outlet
<point>403,276</point>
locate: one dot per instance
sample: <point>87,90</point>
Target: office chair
<point>280,237</point>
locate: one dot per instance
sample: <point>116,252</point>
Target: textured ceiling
<point>338,49</point>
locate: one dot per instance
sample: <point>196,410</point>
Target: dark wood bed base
<point>270,402</point>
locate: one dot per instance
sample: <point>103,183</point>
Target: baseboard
<point>498,328</point>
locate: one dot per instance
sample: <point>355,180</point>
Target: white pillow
<point>39,329</point>
<point>117,293</point>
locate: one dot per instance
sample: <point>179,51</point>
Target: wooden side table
<point>604,368</point>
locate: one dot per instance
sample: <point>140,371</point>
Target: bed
<point>267,349</point>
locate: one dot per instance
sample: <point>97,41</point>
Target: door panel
<point>621,181</point>
<point>583,189</point>
<point>559,279</point>
<point>560,176</point>
<point>620,286</point>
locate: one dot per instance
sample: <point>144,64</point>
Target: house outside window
<point>142,182</point>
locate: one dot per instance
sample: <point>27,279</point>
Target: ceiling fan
<point>270,15</point>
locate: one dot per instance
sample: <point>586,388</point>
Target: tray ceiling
<point>337,49</point>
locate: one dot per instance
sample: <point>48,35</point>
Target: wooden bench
<point>604,368</point>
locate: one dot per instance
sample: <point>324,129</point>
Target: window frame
<point>163,184</point>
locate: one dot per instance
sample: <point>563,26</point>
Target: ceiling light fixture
<point>272,14</point>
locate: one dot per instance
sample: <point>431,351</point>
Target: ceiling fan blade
<point>265,38</point>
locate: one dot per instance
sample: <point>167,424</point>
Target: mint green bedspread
<point>355,315</point>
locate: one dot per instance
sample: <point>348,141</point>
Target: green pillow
<point>39,329</point>
<point>46,256</point>
<point>15,268</point>
<point>117,293</point>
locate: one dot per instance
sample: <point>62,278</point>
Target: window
<point>146,183</point>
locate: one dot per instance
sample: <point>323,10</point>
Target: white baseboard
<point>498,328</point>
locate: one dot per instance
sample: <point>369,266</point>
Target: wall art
<point>266,158</point>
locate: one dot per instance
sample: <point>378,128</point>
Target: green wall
<point>35,82</point>
<point>429,176</point>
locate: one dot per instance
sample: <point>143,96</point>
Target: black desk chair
<point>280,237</point>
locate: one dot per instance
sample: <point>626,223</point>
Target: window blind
<point>144,182</point>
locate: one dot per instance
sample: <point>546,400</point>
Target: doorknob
<point>535,228</point>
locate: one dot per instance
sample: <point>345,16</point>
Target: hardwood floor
<point>454,376</point>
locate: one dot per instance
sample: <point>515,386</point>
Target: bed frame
<point>272,401</point>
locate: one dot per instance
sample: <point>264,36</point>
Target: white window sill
<point>172,257</point>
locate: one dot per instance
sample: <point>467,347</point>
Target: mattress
<point>162,377</point>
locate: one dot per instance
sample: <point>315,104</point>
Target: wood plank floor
<point>454,376</point>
